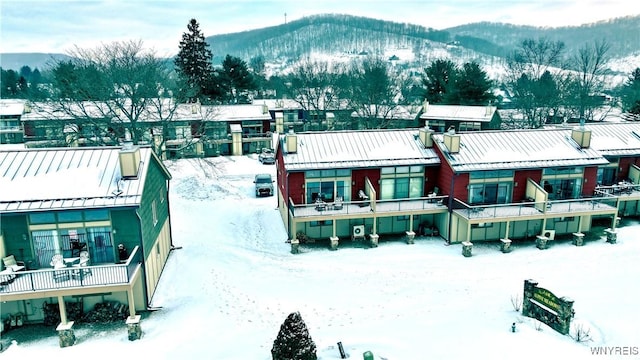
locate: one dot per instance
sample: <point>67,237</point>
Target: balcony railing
<point>47,280</point>
<point>324,209</point>
<point>535,209</point>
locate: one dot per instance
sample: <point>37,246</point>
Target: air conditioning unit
<point>358,231</point>
<point>550,234</point>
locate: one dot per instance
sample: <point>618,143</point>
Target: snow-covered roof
<point>523,149</point>
<point>278,104</point>
<point>458,112</point>
<point>358,149</point>
<point>155,110</point>
<point>66,178</point>
<point>400,112</point>
<point>11,107</point>
<point>616,139</point>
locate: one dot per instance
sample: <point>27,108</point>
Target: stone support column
<point>133,327</point>
<point>578,239</point>
<point>333,243</point>
<point>66,335</point>
<point>410,237</point>
<point>612,235</point>
<point>373,238</point>
<point>505,245</point>
<point>541,242</point>
<point>467,248</point>
<point>295,246</point>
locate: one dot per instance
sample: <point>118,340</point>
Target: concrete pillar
<point>410,237</point>
<point>133,327</point>
<point>66,334</point>
<point>505,245</point>
<point>467,248</point>
<point>612,235</point>
<point>578,239</point>
<point>333,243</point>
<point>374,239</point>
<point>295,246</point>
<point>541,242</point>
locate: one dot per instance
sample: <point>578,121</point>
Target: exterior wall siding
<point>520,178</point>
<point>358,177</point>
<point>590,181</point>
<point>296,188</point>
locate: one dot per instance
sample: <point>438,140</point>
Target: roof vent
<point>129,158</point>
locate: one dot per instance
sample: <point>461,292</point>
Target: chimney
<point>425,135</point>
<point>581,136</point>
<point>488,110</point>
<point>425,106</point>
<point>291,141</point>
<point>452,141</point>
<point>129,158</point>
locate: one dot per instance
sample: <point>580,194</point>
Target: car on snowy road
<point>264,185</point>
<point>267,156</point>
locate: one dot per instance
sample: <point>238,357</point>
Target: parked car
<point>267,156</point>
<point>264,185</point>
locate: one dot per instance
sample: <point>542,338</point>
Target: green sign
<point>546,298</point>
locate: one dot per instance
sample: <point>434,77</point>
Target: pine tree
<point>631,93</point>
<point>193,61</point>
<point>293,341</point>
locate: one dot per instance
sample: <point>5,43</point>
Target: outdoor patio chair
<point>11,263</point>
<point>60,272</point>
<point>82,268</point>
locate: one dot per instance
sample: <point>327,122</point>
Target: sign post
<point>540,303</point>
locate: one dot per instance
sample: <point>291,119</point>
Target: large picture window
<point>402,182</point>
<point>327,185</point>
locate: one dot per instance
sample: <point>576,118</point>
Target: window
<point>328,184</point>
<point>69,216</point>
<point>487,193</point>
<point>469,126</point>
<point>401,182</point>
<point>562,183</point>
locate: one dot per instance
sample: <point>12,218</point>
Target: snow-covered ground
<point>226,292</point>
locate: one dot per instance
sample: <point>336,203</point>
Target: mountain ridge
<point>348,34</point>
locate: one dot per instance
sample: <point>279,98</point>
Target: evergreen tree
<point>631,93</point>
<point>293,341</point>
<point>193,62</point>
<point>471,87</point>
<point>236,75</point>
<point>436,79</point>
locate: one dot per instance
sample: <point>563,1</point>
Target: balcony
<point>369,208</point>
<point>538,210</point>
<point>71,280</point>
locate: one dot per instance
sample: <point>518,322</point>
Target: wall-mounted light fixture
<point>24,237</point>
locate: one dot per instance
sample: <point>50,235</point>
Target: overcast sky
<point>59,25</point>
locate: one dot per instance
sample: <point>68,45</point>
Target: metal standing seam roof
<point>358,149</point>
<point>67,178</point>
<point>615,139</point>
<point>458,113</point>
<point>529,149</point>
